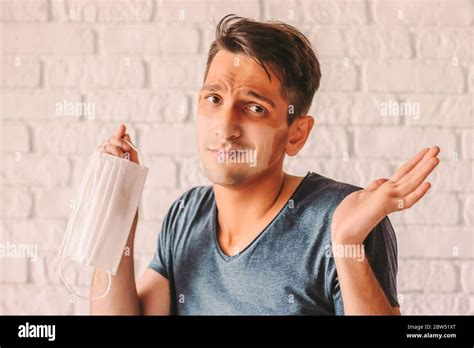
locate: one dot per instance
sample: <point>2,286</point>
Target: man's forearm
<point>361,292</point>
<point>122,298</point>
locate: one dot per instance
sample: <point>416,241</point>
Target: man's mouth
<point>234,156</point>
<point>224,151</point>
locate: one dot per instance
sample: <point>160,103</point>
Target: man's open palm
<point>362,210</point>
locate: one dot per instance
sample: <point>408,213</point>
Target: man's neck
<point>248,205</point>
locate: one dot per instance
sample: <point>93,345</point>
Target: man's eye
<point>257,109</point>
<point>213,99</point>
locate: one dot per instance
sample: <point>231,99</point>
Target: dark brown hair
<point>276,45</point>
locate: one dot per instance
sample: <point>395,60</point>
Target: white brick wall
<point>141,62</point>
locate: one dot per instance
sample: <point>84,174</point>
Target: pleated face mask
<point>103,214</point>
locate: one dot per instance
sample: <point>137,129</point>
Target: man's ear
<point>299,133</point>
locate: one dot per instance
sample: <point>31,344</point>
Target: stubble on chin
<point>234,177</point>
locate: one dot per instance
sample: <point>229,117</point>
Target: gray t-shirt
<point>288,269</point>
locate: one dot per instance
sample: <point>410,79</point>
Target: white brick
<point>331,108</point>
<point>13,269</point>
<point>46,234</point>
<point>15,137</point>
<point>446,44</point>
<point>192,173</point>
<point>326,142</point>
<point>174,72</point>
<point>244,8</point>
<point>55,203</point>
<point>26,10</point>
<point>42,170</point>
<point>20,72</point>
<point>360,109</point>
<point>434,209</point>
<point>367,110</point>
<point>339,75</point>
<point>393,76</point>
<point>455,12</point>
<point>435,304</point>
<point>35,105</point>
<point>403,12</point>
<point>340,12</point>
<point>412,275</point>
<point>444,138</point>
<point>403,143</point>
<point>468,144</point>
<point>367,171</point>
<point>183,11</point>
<point>441,110</point>
<point>471,80</point>
<point>422,241</point>
<point>150,39</point>
<point>47,38</point>
<point>93,72</point>
<point>134,38</point>
<point>439,77</point>
<point>156,203</point>
<point>468,212</point>
<point>162,173</point>
<point>467,276</point>
<point>370,43</point>
<point>35,300</point>
<point>328,42</point>
<point>452,176</point>
<point>146,237</point>
<point>179,39</point>
<point>45,270</point>
<point>136,105</point>
<point>168,140</point>
<point>290,12</point>
<point>71,139</point>
<point>353,171</point>
<point>442,277</point>
<point>16,202</point>
<point>102,11</point>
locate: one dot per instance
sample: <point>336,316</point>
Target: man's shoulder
<point>324,192</point>
<point>193,203</point>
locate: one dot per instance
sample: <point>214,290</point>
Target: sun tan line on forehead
<point>248,92</point>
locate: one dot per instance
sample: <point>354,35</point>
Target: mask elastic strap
<point>69,287</point>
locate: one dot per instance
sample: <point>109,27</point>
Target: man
<point>260,241</point>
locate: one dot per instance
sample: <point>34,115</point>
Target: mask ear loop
<point>69,287</point>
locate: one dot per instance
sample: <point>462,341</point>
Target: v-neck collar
<point>228,258</point>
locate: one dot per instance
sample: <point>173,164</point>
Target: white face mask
<point>103,214</point>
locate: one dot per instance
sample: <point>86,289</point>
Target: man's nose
<point>228,124</point>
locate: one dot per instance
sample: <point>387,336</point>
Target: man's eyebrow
<point>214,88</point>
<point>248,92</point>
<point>259,96</point>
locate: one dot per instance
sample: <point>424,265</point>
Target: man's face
<point>242,126</point>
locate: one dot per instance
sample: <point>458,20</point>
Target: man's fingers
<point>417,178</point>
<point>113,150</point>
<point>433,152</point>
<point>376,184</point>
<point>133,153</point>
<point>409,165</point>
<point>120,143</point>
<point>120,131</point>
<point>414,196</point>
